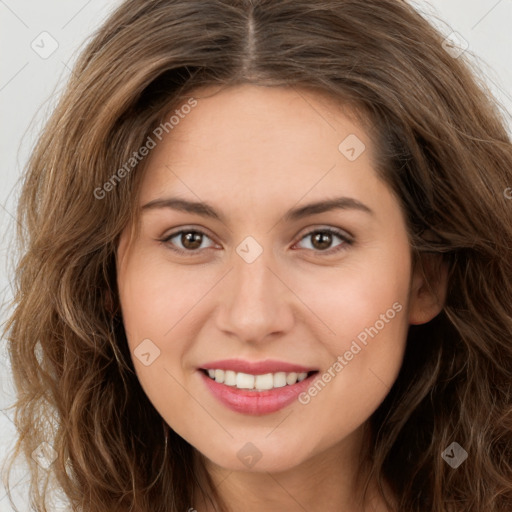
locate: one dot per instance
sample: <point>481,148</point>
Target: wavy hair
<point>442,147</point>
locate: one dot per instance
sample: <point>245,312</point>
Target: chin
<point>249,458</point>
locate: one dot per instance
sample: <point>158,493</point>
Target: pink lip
<point>256,368</point>
<point>256,402</point>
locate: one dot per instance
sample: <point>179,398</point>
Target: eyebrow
<point>206,210</point>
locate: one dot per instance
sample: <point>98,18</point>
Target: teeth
<point>264,381</point>
<point>291,378</point>
<point>230,378</point>
<point>244,381</point>
<point>258,382</point>
<point>280,379</point>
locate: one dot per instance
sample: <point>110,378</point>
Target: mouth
<point>256,383</point>
<point>263,388</point>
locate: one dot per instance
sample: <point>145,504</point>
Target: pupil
<point>191,239</point>
<point>323,239</point>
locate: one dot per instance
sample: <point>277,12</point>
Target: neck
<point>329,480</point>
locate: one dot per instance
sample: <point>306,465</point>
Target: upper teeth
<point>258,382</point>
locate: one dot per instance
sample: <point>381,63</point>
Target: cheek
<point>366,308</point>
<point>361,299</point>
<point>154,306</point>
<point>156,297</point>
<point>157,305</point>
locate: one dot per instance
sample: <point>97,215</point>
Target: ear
<point>428,289</point>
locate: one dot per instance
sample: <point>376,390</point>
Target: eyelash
<point>347,241</point>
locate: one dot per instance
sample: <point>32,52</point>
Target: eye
<point>191,241</point>
<point>322,239</point>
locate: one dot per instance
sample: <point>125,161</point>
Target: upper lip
<point>256,367</point>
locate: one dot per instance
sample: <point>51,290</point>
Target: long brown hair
<point>442,147</point>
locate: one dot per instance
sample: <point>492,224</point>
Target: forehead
<point>253,115</point>
<point>260,138</point>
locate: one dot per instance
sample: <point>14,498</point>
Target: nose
<point>255,301</point>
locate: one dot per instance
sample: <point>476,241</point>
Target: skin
<point>253,153</point>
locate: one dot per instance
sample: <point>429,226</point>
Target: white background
<point>30,85</point>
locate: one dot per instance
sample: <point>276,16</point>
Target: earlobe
<point>428,290</point>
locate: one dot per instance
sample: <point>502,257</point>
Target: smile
<point>262,382</point>
<point>256,388</point>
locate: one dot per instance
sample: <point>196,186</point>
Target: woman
<point>277,272</point>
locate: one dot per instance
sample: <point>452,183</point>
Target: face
<point>299,312</point>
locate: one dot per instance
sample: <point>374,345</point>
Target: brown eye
<point>191,239</point>
<point>323,239</point>
<point>186,241</point>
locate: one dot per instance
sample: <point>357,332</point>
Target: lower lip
<point>256,402</point>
